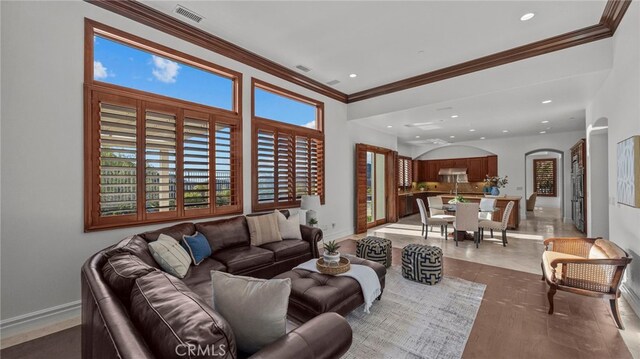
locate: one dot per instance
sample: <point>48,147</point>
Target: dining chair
<point>426,221</point>
<point>435,208</point>
<point>467,220</point>
<point>499,226</point>
<point>487,205</point>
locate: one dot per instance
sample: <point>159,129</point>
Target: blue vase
<point>495,191</point>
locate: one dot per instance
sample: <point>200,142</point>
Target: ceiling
<point>382,41</point>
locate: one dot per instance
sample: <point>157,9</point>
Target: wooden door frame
<point>391,164</point>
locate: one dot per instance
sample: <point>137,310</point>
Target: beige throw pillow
<point>171,257</point>
<point>256,309</point>
<point>264,229</point>
<point>289,227</point>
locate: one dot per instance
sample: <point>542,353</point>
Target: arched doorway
<point>544,174</point>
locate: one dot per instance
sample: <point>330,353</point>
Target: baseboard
<point>39,319</point>
<point>338,235</point>
<point>631,297</point>
<point>567,220</point>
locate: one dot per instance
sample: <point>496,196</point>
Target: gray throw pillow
<point>171,257</point>
<point>256,309</point>
<point>289,227</point>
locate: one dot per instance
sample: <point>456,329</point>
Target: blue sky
<point>126,66</point>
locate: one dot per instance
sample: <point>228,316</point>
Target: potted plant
<point>313,222</point>
<point>496,182</point>
<point>331,253</point>
<point>457,199</point>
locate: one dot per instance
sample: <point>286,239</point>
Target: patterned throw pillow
<point>197,246</point>
<point>171,257</point>
<point>264,229</point>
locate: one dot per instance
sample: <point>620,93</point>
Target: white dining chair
<point>499,226</point>
<point>426,221</point>
<point>467,220</point>
<point>436,211</point>
<point>487,206</point>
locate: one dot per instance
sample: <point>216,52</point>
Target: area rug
<point>414,320</point>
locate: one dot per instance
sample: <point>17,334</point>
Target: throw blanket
<point>366,277</point>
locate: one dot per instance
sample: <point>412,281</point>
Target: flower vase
<point>495,191</point>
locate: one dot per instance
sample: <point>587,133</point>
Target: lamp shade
<point>310,202</point>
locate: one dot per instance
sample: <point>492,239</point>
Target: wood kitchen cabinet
<point>477,168</point>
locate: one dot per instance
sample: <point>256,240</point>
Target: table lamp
<point>310,203</point>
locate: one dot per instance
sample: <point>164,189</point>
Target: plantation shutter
<point>285,169</point>
<point>196,149</point>
<point>117,160</point>
<point>160,162</point>
<point>226,165</point>
<point>303,166</point>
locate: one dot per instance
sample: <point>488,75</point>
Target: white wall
<point>43,244</point>
<point>454,151</point>
<point>511,159</point>
<point>617,101</point>
<point>547,202</point>
<point>369,136</point>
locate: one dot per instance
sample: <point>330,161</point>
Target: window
<point>288,147</point>
<point>152,158</point>
<point>405,171</point>
<point>544,177</point>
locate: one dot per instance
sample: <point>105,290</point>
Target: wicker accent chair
<point>586,266</point>
<point>499,226</point>
<point>433,221</point>
<point>531,202</point>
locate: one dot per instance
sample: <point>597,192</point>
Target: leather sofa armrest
<point>312,235</point>
<point>325,336</point>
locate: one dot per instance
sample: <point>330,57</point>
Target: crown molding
<point>144,14</point>
<point>611,17</point>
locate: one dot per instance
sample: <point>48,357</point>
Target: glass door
<point>376,198</point>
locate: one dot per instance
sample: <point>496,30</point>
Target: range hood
<point>452,175</point>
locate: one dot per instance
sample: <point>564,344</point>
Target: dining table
<point>451,209</point>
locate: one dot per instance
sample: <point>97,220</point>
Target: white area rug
<point>414,320</point>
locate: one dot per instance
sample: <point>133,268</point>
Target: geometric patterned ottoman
<point>422,263</point>
<point>375,249</point>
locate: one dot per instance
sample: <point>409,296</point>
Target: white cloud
<point>311,124</point>
<point>99,71</point>
<point>165,70</point>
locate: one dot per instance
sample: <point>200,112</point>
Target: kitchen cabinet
<point>477,168</point>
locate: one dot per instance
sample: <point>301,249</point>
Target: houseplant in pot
<point>331,254</point>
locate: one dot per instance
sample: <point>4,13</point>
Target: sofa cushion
<point>548,257</point>
<point>171,317</point>
<point>255,308</point>
<point>264,229</point>
<point>287,248</point>
<point>226,233</point>
<point>289,226</point>
<point>242,259</point>
<point>121,272</point>
<point>176,232</point>
<point>198,278</point>
<point>170,256</point>
<point>133,245</point>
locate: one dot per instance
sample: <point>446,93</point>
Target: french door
<point>375,184</point>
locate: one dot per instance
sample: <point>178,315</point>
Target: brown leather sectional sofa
<point>132,309</point>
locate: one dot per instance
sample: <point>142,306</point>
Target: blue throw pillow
<point>197,246</point>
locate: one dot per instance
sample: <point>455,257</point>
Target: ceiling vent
<point>333,82</point>
<point>425,126</point>
<point>183,11</point>
<point>303,68</point>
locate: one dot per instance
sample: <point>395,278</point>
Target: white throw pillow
<point>170,255</point>
<point>256,309</point>
<point>289,227</point>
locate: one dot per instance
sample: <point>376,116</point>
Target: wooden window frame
<point>94,90</point>
<point>554,166</point>
<point>261,123</point>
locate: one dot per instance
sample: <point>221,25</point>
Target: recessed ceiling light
<point>472,130</point>
<point>353,75</point>
<point>452,136</point>
<point>482,138</point>
<point>546,101</point>
<point>454,116</point>
<point>417,136</point>
<point>505,131</point>
<point>543,132</point>
<point>545,121</point>
<point>389,126</point>
<point>548,128</point>
<point>527,16</point>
